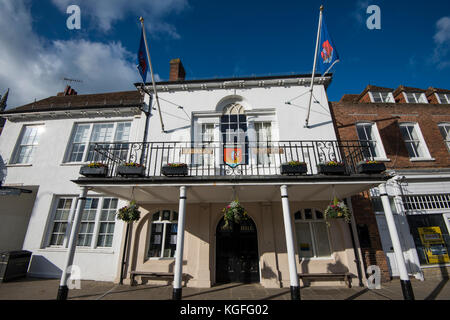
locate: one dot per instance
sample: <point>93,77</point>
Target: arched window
<point>233,127</point>
<point>163,234</point>
<point>312,234</point>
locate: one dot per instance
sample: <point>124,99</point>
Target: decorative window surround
<point>443,98</point>
<point>85,134</point>
<point>27,144</point>
<point>444,128</point>
<point>311,230</point>
<point>368,134</point>
<point>377,97</point>
<point>414,142</point>
<point>415,97</point>
<point>163,234</point>
<point>96,227</point>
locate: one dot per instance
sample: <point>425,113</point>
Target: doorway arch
<point>237,258</point>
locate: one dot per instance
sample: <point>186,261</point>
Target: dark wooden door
<point>237,252</point>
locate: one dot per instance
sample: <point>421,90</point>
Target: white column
<point>404,278</point>
<point>63,289</point>
<point>295,287</point>
<point>412,252</point>
<point>180,244</point>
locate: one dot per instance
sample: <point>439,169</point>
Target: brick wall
<point>387,117</point>
<point>372,253</point>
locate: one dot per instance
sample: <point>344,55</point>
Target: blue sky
<point>218,39</point>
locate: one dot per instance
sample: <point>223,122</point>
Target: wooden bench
<point>153,275</point>
<point>325,276</point>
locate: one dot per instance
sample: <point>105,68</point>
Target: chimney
<point>177,72</point>
<point>69,91</point>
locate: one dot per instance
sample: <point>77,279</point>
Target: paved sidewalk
<point>45,289</point>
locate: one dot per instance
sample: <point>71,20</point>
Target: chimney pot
<point>177,72</point>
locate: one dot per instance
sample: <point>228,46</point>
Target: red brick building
<point>409,130</point>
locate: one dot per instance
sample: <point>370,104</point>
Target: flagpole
<point>314,68</point>
<point>151,71</point>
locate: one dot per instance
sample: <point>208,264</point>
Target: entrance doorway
<point>237,252</point>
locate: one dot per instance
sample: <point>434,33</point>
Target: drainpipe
<point>407,290</point>
<point>355,250</point>
<point>125,250</point>
<point>63,290</point>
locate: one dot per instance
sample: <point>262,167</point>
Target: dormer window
<point>444,98</point>
<point>415,97</point>
<point>382,97</point>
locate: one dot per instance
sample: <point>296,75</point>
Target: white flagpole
<point>314,68</point>
<point>151,71</point>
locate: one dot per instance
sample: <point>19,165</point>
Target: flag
<point>142,62</point>
<point>328,54</point>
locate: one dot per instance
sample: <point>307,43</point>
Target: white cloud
<point>33,67</point>
<point>441,54</point>
<point>106,12</point>
<point>442,35</point>
<point>360,11</point>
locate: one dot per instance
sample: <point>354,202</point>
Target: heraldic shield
<point>233,156</point>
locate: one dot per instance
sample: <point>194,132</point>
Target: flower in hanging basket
<point>336,210</point>
<point>129,213</point>
<point>96,165</point>
<point>234,212</point>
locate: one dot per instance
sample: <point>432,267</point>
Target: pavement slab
<point>46,289</point>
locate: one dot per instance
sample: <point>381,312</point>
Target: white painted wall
<point>290,118</point>
<point>53,177</point>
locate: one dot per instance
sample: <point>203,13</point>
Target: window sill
<point>19,165</point>
<point>436,265</point>
<point>159,259</point>
<point>421,159</point>
<point>316,259</point>
<point>79,250</point>
<point>383,159</point>
<point>74,163</point>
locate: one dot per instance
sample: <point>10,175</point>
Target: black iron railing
<point>221,159</point>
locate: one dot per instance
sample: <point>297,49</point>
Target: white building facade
<point>233,135</point>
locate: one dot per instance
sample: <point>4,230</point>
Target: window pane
<point>60,220</point>
<point>171,240</point>
<point>102,132</point>
<point>28,144</point>
<point>321,237</point>
<point>107,222</point>
<point>377,97</point>
<point>155,246</point>
<point>308,214</point>
<point>304,242</point>
<point>123,131</point>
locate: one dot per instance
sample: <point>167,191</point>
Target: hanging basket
<point>234,213</point>
<point>338,210</point>
<point>129,213</point>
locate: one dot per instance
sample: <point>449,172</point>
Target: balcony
<point>254,175</point>
<point>217,160</point>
